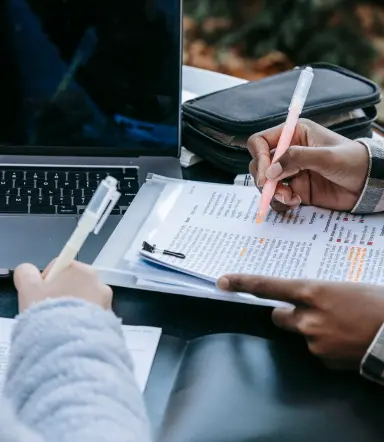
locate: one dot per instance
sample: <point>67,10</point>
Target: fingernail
<point>273,171</point>
<point>223,283</point>
<point>294,201</point>
<point>260,182</point>
<point>280,198</point>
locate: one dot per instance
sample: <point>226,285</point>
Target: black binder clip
<point>152,249</point>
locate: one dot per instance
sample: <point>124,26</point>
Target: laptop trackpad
<point>34,239</point>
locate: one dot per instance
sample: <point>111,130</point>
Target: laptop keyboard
<point>61,191</point>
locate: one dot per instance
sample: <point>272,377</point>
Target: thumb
<point>318,159</point>
<point>26,275</point>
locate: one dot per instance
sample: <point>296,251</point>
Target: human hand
<point>77,280</point>
<point>326,169</point>
<point>338,320</point>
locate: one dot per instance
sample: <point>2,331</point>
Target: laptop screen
<point>91,77</point>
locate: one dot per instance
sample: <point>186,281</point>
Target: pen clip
<point>113,197</point>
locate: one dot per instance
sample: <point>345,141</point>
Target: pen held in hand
<point>295,108</point>
<point>92,220</point>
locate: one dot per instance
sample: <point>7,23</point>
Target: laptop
<point>88,89</point>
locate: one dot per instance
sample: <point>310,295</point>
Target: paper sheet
<point>142,342</point>
<point>214,226</point>
<point>5,339</point>
<point>135,265</point>
<point>244,180</point>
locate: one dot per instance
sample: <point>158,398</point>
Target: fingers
<point>261,144</point>
<point>290,291</point>
<point>26,275</point>
<point>260,163</point>
<point>47,269</point>
<point>108,295</point>
<point>298,158</point>
<point>285,318</point>
<point>286,198</point>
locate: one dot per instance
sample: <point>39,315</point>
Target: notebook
<point>213,225</point>
<point>141,342</point>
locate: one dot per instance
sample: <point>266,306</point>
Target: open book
<point>142,343</point>
<point>214,227</point>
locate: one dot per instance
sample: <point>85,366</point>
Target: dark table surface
<point>180,316</point>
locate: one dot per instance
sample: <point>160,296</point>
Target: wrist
<point>372,198</point>
<point>363,164</point>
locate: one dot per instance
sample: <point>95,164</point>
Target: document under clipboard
<point>213,227</point>
<point>121,262</point>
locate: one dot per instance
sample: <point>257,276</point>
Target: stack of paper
<point>214,226</point>
<point>188,159</point>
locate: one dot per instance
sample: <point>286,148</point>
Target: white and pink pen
<point>294,111</point>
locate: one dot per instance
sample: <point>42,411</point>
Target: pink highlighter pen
<point>294,111</point>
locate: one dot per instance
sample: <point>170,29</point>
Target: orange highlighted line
<point>259,217</point>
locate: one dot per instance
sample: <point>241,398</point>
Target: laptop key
<point>17,204</point>
<point>67,210</point>
<point>81,201</point>
<point>90,184</point>
<point>28,191</point>
<point>72,192</point>
<point>16,200</point>
<point>39,202</point>
<point>89,192</point>
<point>76,176</point>
<point>13,209</point>
<point>14,175</point>
<point>45,184</point>
<point>62,200</point>
<point>42,210</point>
<point>65,184</point>
<point>35,175</point>
<point>47,192</point>
<point>129,186</point>
<point>24,183</point>
<point>100,175</point>
<point>5,191</point>
<point>56,176</point>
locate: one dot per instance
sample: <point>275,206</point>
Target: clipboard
<point>119,263</point>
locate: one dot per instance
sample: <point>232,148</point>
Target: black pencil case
<point>217,126</point>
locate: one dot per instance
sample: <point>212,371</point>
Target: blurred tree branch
<point>255,38</point>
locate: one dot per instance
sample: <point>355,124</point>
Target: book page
<point>5,339</point>
<point>214,226</point>
<point>141,342</point>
